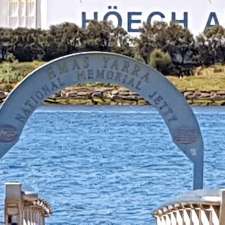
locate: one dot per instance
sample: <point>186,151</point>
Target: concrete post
<point>222,208</point>
<point>13,204</point>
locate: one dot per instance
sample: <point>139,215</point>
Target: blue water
<point>108,165</point>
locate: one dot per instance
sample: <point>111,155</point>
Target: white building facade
<point>130,14</point>
<point>20,13</point>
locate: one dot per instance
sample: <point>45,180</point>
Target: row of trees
<point>184,50</point>
<point>30,44</point>
<point>168,47</point>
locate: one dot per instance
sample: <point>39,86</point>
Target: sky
<point>198,11</point>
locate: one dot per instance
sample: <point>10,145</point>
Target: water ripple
<point>108,165</point>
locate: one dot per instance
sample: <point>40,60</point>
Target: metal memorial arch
<point>106,68</point>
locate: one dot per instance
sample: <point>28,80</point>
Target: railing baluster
<point>199,209</point>
<point>215,217</point>
<point>194,217</point>
<point>187,220</point>
<point>173,219</point>
<point>222,208</point>
<point>24,208</point>
<point>179,218</point>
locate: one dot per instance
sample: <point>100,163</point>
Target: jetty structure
<point>194,208</point>
<point>206,208</point>
<point>24,208</point>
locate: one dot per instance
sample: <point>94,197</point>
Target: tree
<point>122,42</point>
<point>98,36</point>
<point>178,42</point>
<point>211,46</point>
<point>24,44</point>
<point>5,41</point>
<point>62,39</point>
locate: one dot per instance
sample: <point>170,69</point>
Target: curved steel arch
<point>106,68</point>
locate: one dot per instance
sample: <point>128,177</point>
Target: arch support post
<point>198,175</point>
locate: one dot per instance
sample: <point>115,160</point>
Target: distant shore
<point>122,96</point>
<point>206,87</point>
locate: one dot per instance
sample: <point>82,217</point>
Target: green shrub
<point>160,60</point>
<point>8,74</point>
<point>138,57</point>
<point>10,58</point>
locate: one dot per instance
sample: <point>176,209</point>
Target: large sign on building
<point>192,14</point>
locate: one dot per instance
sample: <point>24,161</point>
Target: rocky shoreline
<point>122,96</point>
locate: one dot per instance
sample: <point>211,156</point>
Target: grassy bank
<point>204,79</point>
<point>211,79</point>
<point>12,73</point>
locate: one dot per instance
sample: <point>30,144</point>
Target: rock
<point>70,95</point>
<point>97,94</point>
<point>98,101</point>
<point>3,95</point>
<point>198,71</point>
<point>84,94</point>
<point>115,92</point>
<point>196,94</point>
<point>218,97</point>
<point>142,102</point>
<point>123,96</point>
<point>124,93</point>
<point>220,93</point>
<point>213,95</point>
<point>188,93</point>
<point>108,95</point>
<point>205,95</point>
<point>129,98</point>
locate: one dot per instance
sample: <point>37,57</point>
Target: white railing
<point>24,208</point>
<point>196,208</point>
